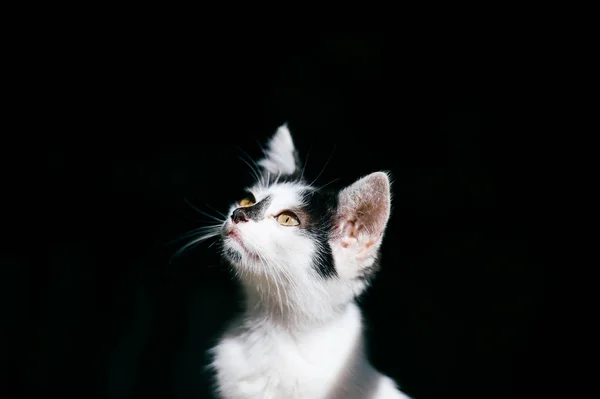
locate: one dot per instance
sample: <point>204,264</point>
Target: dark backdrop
<point>132,128</point>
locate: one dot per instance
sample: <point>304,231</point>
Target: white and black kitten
<point>302,256</point>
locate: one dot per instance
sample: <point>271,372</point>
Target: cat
<point>302,255</point>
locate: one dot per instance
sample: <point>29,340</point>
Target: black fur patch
<point>256,212</point>
<point>232,254</point>
<point>321,208</point>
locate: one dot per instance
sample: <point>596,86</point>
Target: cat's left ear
<point>362,215</point>
<point>281,157</point>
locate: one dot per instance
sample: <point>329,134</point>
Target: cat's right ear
<point>362,215</point>
<point>281,157</point>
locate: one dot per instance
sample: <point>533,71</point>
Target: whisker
<point>193,232</point>
<point>325,185</point>
<point>305,162</point>
<point>256,167</point>
<point>326,163</point>
<point>262,149</point>
<point>194,243</point>
<point>253,166</point>
<point>204,213</point>
<point>218,211</point>
<point>252,171</point>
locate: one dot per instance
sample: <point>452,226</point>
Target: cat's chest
<point>265,364</point>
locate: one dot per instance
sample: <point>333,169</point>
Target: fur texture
<point>302,255</point>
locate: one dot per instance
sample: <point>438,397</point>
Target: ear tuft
<point>280,156</point>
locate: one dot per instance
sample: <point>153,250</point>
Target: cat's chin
<point>236,251</point>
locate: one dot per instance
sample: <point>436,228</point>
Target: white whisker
<point>254,167</point>
<point>254,174</point>
<point>305,163</point>
<point>193,232</point>
<point>219,212</point>
<point>196,241</point>
<point>325,185</point>
<point>204,213</point>
<point>322,170</point>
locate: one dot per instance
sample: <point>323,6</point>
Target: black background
<point>132,128</point>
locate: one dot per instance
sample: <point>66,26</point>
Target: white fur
<point>301,334</point>
<point>258,358</point>
<point>279,156</point>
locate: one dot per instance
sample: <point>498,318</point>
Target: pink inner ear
<point>364,209</point>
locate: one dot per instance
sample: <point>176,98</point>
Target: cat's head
<point>291,239</point>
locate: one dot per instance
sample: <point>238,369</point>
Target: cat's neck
<point>289,310</point>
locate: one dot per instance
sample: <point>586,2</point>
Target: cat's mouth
<point>234,235</point>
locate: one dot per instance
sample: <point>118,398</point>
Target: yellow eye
<point>288,219</point>
<point>246,202</point>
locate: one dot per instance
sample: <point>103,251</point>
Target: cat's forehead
<point>281,194</point>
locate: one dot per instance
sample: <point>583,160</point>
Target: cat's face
<point>283,226</point>
<point>294,237</point>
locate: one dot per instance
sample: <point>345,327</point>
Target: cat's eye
<point>248,200</point>
<point>288,219</point>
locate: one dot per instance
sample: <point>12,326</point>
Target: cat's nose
<point>239,216</point>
